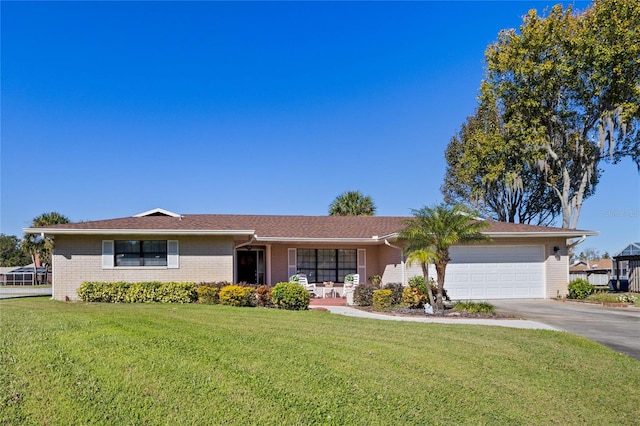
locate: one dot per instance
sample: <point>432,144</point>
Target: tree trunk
<point>425,272</point>
<point>441,267</point>
<point>35,269</point>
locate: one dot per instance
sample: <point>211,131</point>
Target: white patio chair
<point>304,282</point>
<point>356,280</point>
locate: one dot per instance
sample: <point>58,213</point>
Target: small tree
<point>10,252</point>
<point>42,246</point>
<point>424,257</point>
<point>440,227</point>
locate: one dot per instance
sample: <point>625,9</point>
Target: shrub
<point>237,295</point>
<point>87,291</point>
<point>580,289</point>
<point>114,292</point>
<point>143,292</point>
<point>363,295</point>
<point>396,292</point>
<point>418,281</point>
<point>382,300</point>
<point>375,280</point>
<point>290,296</point>
<point>413,297</point>
<point>177,292</point>
<point>475,307</point>
<point>208,294</point>
<point>217,284</point>
<point>103,291</point>
<point>263,296</point>
<point>119,292</point>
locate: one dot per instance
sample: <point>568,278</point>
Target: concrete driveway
<point>617,328</point>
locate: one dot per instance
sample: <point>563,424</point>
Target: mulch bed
<point>449,313</point>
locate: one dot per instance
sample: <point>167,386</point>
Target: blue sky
<point>113,108</point>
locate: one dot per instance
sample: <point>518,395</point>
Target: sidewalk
<point>353,312</point>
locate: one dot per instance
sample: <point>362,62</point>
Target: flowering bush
<point>208,294</point>
<point>263,296</point>
<point>413,297</point>
<point>382,300</point>
<point>627,298</point>
<point>237,295</point>
<point>418,281</point>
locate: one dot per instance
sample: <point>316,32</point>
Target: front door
<point>250,266</point>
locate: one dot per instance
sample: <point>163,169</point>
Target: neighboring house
<point>22,275</point>
<point>597,272</point>
<point>521,261</point>
<point>627,268</point>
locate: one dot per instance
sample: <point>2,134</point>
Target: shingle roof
<point>592,265</point>
<point>280,227</point>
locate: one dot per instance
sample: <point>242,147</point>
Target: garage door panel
<point>496,272</point>
<point>506,293</point>
<point>477,293</point>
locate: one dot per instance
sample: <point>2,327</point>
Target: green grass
<point>614,298</point>
<point>475,307</point>
<point>77,363</point>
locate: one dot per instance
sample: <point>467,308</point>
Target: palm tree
<point>439,227</point>
<point>42,246</point>
<point>352,203</point>
<point>424,257</point>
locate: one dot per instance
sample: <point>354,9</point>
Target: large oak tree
<point>487,169</point>
<point>566,90</point>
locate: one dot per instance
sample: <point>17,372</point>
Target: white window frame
<point>108,256</point>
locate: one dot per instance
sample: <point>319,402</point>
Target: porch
<point>332,298</point>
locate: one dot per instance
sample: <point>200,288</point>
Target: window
<point>326,264</point>
<point>141,253</point>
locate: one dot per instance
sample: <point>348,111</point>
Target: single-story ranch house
<point>521,261</point>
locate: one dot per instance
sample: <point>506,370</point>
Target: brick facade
<point>208,259</point>
<point>79,258</point>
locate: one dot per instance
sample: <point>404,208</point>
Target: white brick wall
<point>79,258</point>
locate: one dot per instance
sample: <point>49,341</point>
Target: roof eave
<point>307,240</point>
<point>56,231</point>
<point>564,234</point>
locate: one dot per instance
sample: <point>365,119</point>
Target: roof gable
<point>632,251</point>
<point>157,212</point>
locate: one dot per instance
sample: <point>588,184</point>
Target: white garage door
<point>495,272</point>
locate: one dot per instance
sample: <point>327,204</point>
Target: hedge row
<point>290,296</point>
<point>139,292</point>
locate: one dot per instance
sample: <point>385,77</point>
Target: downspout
<point>401,258</point>
<point>248,243</point>
<point>575,243</point>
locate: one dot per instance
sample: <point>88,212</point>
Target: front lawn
<point>80,363</point>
